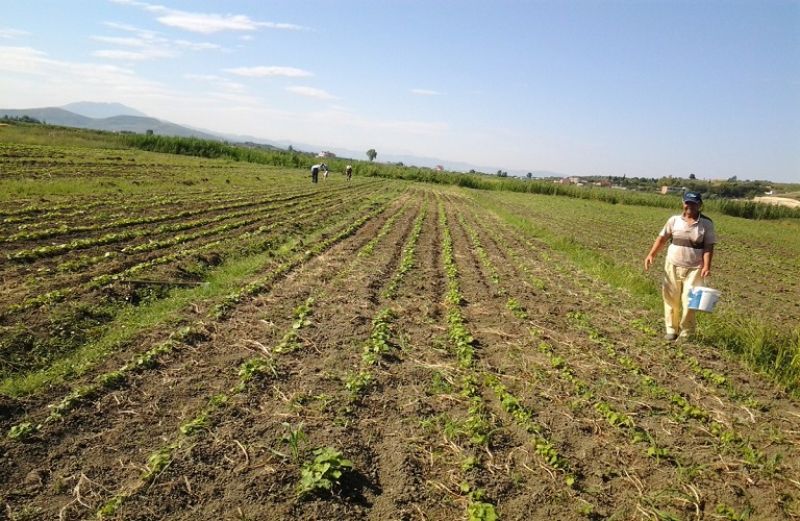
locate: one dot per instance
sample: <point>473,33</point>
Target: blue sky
<point>642,88</point>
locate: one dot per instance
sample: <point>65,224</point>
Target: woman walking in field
<point>692,238</point>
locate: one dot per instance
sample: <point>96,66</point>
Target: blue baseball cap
<point>692,197</point>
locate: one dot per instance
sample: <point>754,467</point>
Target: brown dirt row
<point>99,210</point>
<point>303,375</point>
<point>404,418</point>
<point>682,440</point>
<point>107,211</point>
<point>745,394</point>
<point>25,210</point>
<point>403,433</point>
<point>617,325</point>
<point>505,468</point>
<point>44,322</point>
<point>366,431</point>
<point>505,347</point>
<point>122,260</point>
<point>391,412</point>
<point>197,311</point>
<point>206,211</point>
<point>131,164</point>
<point>151,404</point>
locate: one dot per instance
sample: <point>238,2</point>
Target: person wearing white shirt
<point>691,238</point>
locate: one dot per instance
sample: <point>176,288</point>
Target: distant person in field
<point>691,236</point>
<point>315,172</point>
<point>349,172</point>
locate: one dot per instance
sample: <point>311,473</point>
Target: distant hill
<point>117,117</point>
<point>91,109</point>
<point>120,123</point>
<point>52,115</point>
<point>141,125</point>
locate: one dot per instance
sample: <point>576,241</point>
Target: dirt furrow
<point>132,421</point>
<point>763,408</point>
<point>678,435</point>
<point>305,377</point>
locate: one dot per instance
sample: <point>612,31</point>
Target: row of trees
<point>20,119</point>
<point>731,188</point>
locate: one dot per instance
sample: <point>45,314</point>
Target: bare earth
<point>782,201</point>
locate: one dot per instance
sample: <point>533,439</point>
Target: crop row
<point>726,436</point>
<point>187,334</point>
<point>256,287</point>
<point>285,213</point>
<point>672,356</point>
<point>258,366</point>
<point>613,416</point>
<point>144,209</point>
<point>367,250</point>
<point>462,343</point>
<point>283,249</point>
<point>26,255</point>
<point>242,247</point>
<point>249,371</point>
<point>678,357</point>
<point>684,410</point>
<point>523,416</point>
<point>407,259</point>
<point>511,404</point>
<point>72,207</point>
<point>378,345</point>
<point>475,428</point>
<point>112,208</point>
<point>460,337</point>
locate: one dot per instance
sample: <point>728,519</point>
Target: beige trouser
<point>678,318</point>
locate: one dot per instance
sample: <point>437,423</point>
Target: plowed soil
<point>695,435</point>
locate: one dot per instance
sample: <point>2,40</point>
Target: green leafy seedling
<point>196,425</point>
<point>356,383</point>
<point>323,472</point>
<point>22,431</point>
<point>478,509</point>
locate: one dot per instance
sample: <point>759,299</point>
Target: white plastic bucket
<point>703,299</point>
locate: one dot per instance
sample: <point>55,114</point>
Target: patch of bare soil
<point>780,201</point>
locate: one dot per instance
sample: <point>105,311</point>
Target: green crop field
<point>216,337</point>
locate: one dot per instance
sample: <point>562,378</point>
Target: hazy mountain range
<point>92,109</point>
<point>115,123</point>
<point>116,117</point>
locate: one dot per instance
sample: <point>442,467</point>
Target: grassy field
<point>200,338</point>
